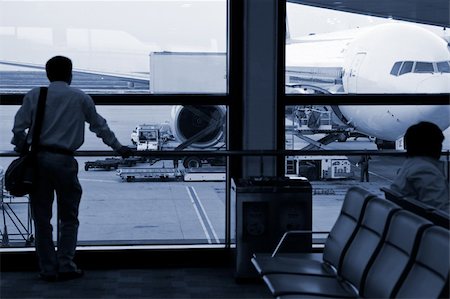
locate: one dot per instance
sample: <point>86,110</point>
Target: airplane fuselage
<point>392,58</point>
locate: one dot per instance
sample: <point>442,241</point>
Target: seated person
<point>422,175</point>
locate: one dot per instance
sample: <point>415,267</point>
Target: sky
<point>109,36</point>
<point>117,37</point>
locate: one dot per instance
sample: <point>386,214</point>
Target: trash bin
<point>265,208</point>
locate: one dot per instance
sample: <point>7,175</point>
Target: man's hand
<point>125,152</point>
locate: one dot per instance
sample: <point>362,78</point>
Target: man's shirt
<point>66,111</point>
<point>423,179</point>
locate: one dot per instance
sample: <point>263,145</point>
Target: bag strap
<point>39,119</point>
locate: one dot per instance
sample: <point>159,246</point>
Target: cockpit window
<point>406,67</point>
<point>443,66</point>
<point>423,67</point>
<point>396,68</point>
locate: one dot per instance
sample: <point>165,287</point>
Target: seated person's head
<point>59,68</point>
<point>424,139</point>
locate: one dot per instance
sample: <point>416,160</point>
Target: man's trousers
<point>56,174</point>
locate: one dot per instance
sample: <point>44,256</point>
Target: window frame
<point>232,99</point>
<point>285,100</point>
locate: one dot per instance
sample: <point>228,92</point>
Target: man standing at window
<point>66,111</point>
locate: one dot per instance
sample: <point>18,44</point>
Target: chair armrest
<point>406,202</point>
<point>294,232</point>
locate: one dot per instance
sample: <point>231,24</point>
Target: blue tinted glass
<point>406,67</point>
<point>395,68</point>
<point>423,67</point>
<point>443,67</point>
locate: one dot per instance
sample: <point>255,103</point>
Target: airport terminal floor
<point>190,282</point>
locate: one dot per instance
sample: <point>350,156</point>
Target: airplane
<point>391,58</point>
<point>387,58</point>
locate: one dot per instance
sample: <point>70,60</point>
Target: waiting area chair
<point>337,243</point>
<point>391,253</point>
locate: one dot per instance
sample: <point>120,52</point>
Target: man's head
<point>59,68</point>
<point>424,139</point>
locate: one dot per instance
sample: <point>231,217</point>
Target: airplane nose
<point>439,83</point>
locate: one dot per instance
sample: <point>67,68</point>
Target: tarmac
<point>113,211</point>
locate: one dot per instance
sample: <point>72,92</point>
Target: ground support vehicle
<point>149,137</point>
<point>204,174</point>
<point>188,72</point>
<point>149,173</point>
<point>309,121</point>
<point>193,162</point>
<point>319,167</point>
<point>111,163</point>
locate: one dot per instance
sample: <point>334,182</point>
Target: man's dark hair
<point>424,139</point>
<point>59,68</point>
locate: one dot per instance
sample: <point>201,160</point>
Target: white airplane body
<point>392,58</point>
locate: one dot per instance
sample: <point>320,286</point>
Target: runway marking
<point>101,181</point>
<point>198,215</point>
<point>206,216</point>
<point>202,215</point>
<point>380,176</point>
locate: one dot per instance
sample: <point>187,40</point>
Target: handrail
<point>221,153</point>
<point>231,153</point>
<point>227,99</point>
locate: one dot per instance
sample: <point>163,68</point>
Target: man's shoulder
<point>78,92</point>
<point>34,91</point>
<point>422,166</point>
<point>421,161</point>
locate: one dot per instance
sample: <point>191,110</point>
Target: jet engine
<point>198,126</point>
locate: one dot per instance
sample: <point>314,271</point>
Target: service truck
<point>188,72</point>
<point>318,167</point>
<point>147,137</point>
<point>149,173</point>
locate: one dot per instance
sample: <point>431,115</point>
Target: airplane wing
<point>19,77</point>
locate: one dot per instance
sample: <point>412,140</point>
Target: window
<point>317,128</point>
<point>146,200</point>
<point>396,68</point>
<point>443,66</point>
<point>117,47</point>
<point>406,67</point>
<point>423,67</point>
<point>337,52</point>
<point>334,53</point>
<point>129,55</point>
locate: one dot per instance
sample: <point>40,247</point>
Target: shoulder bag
<point>21,172</point>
